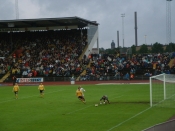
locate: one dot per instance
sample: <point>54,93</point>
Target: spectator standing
<point>126,76</point>
<point>14,80</point>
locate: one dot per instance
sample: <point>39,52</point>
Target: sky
<point>151,17</point>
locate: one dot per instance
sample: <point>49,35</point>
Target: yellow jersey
<point>41,87</point>
<point>16,88</point>
<point>79,93</point>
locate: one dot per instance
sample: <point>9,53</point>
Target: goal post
<point>162,90</point>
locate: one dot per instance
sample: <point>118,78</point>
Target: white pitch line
<point>135,115</point>
<point>121,83</point>
<point>128,119</point>
<point>28,97</point>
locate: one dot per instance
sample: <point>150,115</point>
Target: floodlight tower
<point>135,14</point>
<point>168,21</point>
<point>145,39</point>
<point>123,15</point>
<point>16,9</point>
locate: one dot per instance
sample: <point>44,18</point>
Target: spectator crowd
<point>119,66</point>
<point>57,54</point>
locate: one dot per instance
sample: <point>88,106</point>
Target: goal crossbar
<point>162,88</point>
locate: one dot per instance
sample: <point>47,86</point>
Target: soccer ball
<point>96,105</point>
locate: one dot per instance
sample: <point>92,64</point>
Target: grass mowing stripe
<point>29,96</point>
<point>129,119</point>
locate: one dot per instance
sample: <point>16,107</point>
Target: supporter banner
<point>23,80</point>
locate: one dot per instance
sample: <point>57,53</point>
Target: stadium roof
<point>45,22</point>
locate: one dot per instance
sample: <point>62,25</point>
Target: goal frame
<point>164,87</point>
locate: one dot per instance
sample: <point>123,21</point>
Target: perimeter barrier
<point>88,78</point>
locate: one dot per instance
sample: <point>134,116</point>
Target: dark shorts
<point>16,92</point>
<point>80,97</point>
<point>41,91</point>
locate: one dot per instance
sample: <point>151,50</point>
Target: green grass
<point>60,110</point>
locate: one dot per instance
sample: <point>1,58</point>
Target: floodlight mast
<point>168,21</point>
<point>123,15</point>
<point>135,16</point>
<point>16,9</point>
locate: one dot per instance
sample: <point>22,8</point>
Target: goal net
<point>162,90</point>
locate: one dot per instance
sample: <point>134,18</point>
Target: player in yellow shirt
<point>79,94</point>
<point>15,90</point>
<point>41,88</point>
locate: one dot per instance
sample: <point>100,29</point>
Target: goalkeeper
<point>104,99</point>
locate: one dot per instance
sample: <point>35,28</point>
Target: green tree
<point>133,48</point>
<point>143,49</point>
<point>157,48</point>
<point>110,51</point>
<point>101,50</point>
<point>170,47</point>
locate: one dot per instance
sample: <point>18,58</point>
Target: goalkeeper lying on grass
<point>104,99</point>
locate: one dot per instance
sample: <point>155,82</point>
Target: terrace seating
<point>52,53</point>
<point>60,53</point>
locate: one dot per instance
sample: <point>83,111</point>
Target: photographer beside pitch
<point>14,80</point>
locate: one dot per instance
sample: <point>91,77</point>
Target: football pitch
<point>60,109</point>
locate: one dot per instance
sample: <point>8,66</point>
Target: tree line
<point>154,48</point>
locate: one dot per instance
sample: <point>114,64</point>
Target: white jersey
<point>82,90</point>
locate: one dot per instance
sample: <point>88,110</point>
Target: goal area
<point>162,90</point>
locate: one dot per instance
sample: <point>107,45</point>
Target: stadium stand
<point>140,66</point>
<point>63,54</point>
<point>55,47</point>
